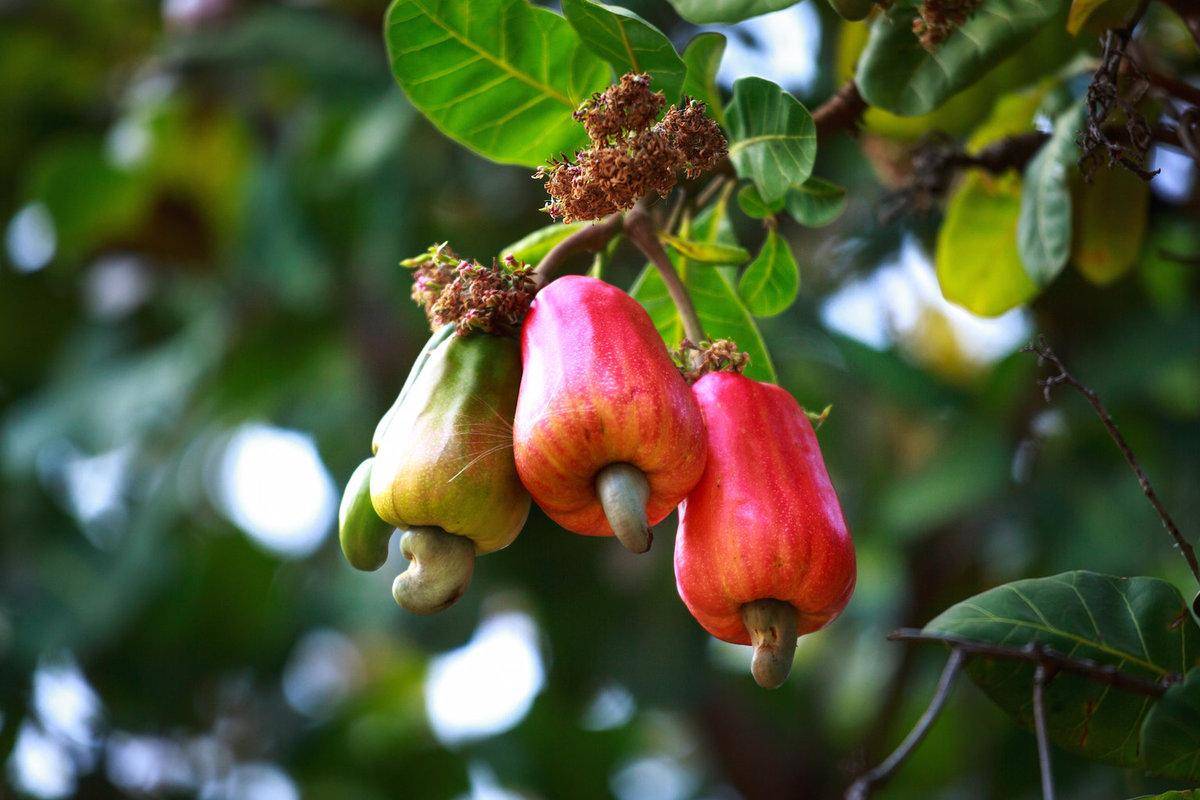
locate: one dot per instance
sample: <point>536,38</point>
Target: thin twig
<point>1036,654</point>
<point>1040,348</point>
<point>861,788</point>
<point>640,230</point>
<point>590,239</point>
<point>1041,676</point>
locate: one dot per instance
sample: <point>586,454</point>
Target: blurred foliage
<point>226,189</point>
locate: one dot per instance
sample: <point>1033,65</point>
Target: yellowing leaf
<point>1110,223</point>
<point>978,266</point>
<point>706,252</point>
<point>1098,14</point>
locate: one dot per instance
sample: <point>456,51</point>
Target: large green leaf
<point>533,247</point>
<point>896,73</point>
<point>702,11</point>
<point>773,140</point>
<point>628,43</point>
<point>703,59</point>
<point>1044,225</point>
<point>1141,626</point>
<point>978,266</point>
<point>1171,733</point>
<point>816,202</point>
<point>1179,794</point>
<point>721,310</point>
<point>770,284</point>
<point>500,76</point>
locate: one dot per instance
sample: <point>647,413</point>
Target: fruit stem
<point>772,627</point>
<point>439,571</point>
<point>623,491</point>
<point>641,231</point>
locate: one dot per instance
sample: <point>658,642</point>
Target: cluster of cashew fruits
<point>579,405</point>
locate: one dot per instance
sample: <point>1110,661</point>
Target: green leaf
<point>628,43</point>
<point>501,77</point>
<point>1181,794</point>
<point>702,11</point>
<point>706,252</point>
<point>816,202</point>
<point>897,74</point>
<point>1103,251</point>
<point>1171,733</point>
<point>773,140</point>
<point>1012,115</point>
<point>1044,225</point>
<point>852,10</point>
<point>721,310</point>
<point>533,247</point>
<point>978,266</point>
<point>1141,626</point>
<point>770,284</point>
<point>1097,15</point>
<point>752,204</point>
<point>703,58</point>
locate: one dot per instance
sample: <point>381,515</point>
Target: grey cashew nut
<point>439,571</point>
<point>772,627</point>
<point>623,491</point>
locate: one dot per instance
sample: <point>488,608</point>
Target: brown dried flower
<point>697,360</point>
<point>491,299</point>
<point>631,154</point>
<point>629,105</point>
<point>433,271</point>
<point>696,138</point>
<point>939,18</point>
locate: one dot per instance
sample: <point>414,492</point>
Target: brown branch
<point>1172,86</point>
<point>1040,348</point>
<point>1042,676</point>
<point>1037,654</point>
<point>590,239</point>
<point>861,788</point>
<point>841,112</point>
<point>641,231</point>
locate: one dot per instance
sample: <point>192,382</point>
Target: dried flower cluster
<point>491,299</point>
<point>939,18</point>
<point>632,154</point>
<point>433,271</point>
<point>697,360</point>
<point>473,297</point>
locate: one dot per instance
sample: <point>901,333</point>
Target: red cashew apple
<point>607,436</point>
<point>763,554</point>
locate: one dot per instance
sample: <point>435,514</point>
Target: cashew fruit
<point>608,438</point>
<point>763,554</point>
<point>444,472</point>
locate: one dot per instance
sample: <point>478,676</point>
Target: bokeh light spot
<point>486,686</point>
<point>31,239</point>
<point>272,484</point>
